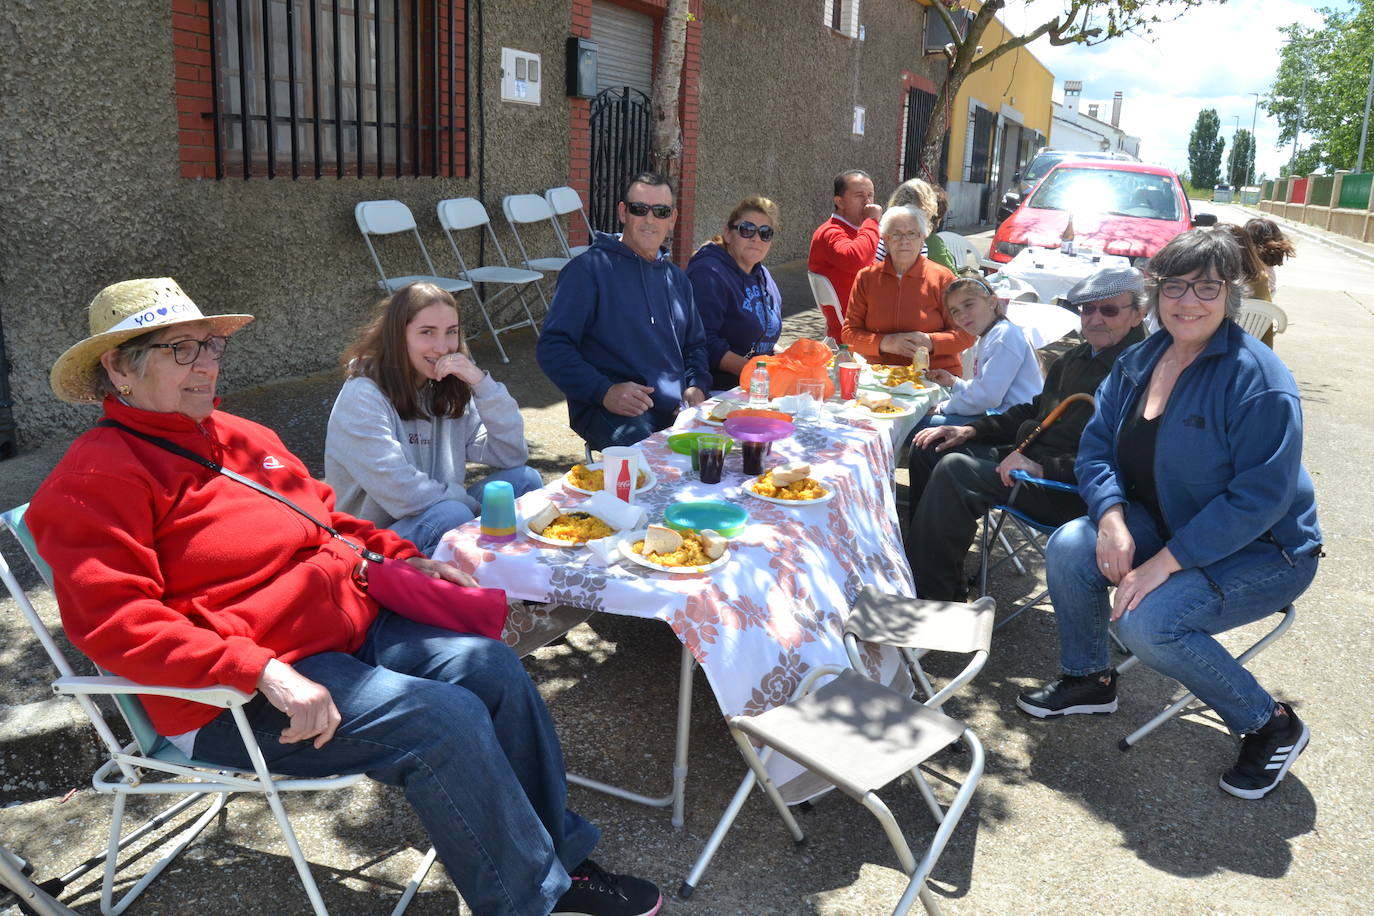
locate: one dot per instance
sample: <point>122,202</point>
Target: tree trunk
<point>665,152</point>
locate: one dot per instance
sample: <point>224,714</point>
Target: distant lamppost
<point>1235,138</point>
<point>1364,127</point>
<point>1254,115</point>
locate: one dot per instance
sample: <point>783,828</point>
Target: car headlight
<point>1011,249</point>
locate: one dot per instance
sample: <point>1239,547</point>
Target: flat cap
<point>1106,283</point>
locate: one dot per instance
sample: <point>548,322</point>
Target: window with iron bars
<point>360,88</point>
<point>984,123</point>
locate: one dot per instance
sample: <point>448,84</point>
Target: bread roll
<point>714,542</point>
<point>790,473</point>
<point>543,517</point>
<point>722,408</point>
<point>661,540</point>
<point>875,400</point>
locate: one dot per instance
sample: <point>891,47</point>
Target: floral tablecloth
<point>758,624</point>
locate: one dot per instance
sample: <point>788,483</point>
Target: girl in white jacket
<point>413,412</point>
<point>1004,370</point>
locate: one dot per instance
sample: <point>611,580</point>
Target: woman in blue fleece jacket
<point>1199,513</point>
<point>739,304</point>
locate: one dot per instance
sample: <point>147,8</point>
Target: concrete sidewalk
<point>1063,821</point>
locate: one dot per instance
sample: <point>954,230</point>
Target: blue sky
<point>1211,57</point>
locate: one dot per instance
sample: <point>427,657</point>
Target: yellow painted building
<point>999,118</point>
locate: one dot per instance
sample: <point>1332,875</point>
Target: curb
<point>46,748</point>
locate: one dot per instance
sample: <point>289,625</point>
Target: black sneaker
<point>1091,694</point>
<point>597,892</point>
<point>1266,755</point>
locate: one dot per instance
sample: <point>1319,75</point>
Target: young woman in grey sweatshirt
<point>413,412</point>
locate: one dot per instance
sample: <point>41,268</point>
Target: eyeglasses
<point>639,208</point>
<point>1108,311</point>
<point>186,352</point>
<point>1176,287</point>
<point>747,229</point>
<point>904,236</point>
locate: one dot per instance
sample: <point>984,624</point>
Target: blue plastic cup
<point>498,511</point>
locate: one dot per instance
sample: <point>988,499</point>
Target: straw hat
<point>122,312</point>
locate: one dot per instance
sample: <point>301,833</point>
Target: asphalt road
<point>1063,821</point>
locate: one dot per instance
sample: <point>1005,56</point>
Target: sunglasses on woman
<point>639,208</point>
<point>186,352</point>
<point>747,229</point>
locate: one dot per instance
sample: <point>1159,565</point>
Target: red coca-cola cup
<point>849,380</point>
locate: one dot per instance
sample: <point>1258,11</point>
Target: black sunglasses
<point>1108,311</point>
<point>747,229</point>
<point>186,352</point>
<point>639,208</point>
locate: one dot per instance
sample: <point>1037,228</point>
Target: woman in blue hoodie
<point>739,304</point>
<point>1199,512</point>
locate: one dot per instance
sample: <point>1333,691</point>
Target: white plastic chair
<point>1258,315</point>
<point>861,735</point>
<point>565,201</point>
<point>459,214</point>
<point>389,217</point>
<point>827,301</point>
<point>965,255</point>
<point>127,771</point>
<point>529,209</point>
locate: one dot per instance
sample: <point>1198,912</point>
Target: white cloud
<point>1211,57</point>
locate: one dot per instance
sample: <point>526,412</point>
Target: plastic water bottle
<point>842,355</point>
<point>758,386</point>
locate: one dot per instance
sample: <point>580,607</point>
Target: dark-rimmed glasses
<point>639,208</point>
<point>1176,287</point>
<point>186,352</point>
<point>1107,309</point>
<point>746,230</point>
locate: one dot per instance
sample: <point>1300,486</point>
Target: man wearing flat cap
<point>958,472</point>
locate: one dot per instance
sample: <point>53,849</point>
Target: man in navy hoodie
<point>623,340</point>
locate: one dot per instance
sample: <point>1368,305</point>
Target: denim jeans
<point>424,529</point>
<point>1172,627</point>
<point>456,722</point>
<point>600,428</point>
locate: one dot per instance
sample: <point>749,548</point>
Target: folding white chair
<point>1177,707</point>
<point>1258,315</point>
<point>861,735</point>
<point>389,217</point>
<point>827,301</point>
<point>530,209</point>
<point>462,213</point>
<point>565,201</point>
<point>131,767</point>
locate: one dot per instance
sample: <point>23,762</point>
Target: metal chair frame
<point>839,698</point>
<point>391,217</point>
<point>565,201</point>
<point>458,214</point>
<point>126,772</point>
<point>530,209</point>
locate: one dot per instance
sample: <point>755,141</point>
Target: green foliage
<point>1204,149</point>
<point>1193,193</point>
<point>1321,85</point>
<point>1240,162</point>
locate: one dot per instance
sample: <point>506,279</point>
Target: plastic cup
<point>709,457</point>
<point>752,454</point>
<point>849,380</point>
<point>812,391</point>
<point>620,465</point>
<point>498,511</point>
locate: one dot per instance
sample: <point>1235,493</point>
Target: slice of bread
<point>875,400</point>
<point>543,517</point>
<point>790,473</point>
<point>661,540</point>
<point>722,408</point>
<point>714,541</point>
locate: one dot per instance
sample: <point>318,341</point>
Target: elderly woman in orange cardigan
<point>898,305</point>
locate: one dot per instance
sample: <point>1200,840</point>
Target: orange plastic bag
<point>804,359</point>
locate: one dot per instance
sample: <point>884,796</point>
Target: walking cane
<point>1053,416</point>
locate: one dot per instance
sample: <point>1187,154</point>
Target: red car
<point>1125,208</point>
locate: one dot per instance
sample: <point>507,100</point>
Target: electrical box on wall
<point>582,62</point>
<point>521,76</point>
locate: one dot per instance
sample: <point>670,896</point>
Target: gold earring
<point>125,390</point>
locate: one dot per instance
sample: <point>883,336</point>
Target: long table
<point>758,624</point>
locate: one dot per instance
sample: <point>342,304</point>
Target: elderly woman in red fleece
<point>167,572</point>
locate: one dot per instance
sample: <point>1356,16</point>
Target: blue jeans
<point>1172,627</point>
<point>424,529</point>
<point>600,428</point>
<point>456,722</point>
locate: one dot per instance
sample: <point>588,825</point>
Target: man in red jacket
<point>845,244</point>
